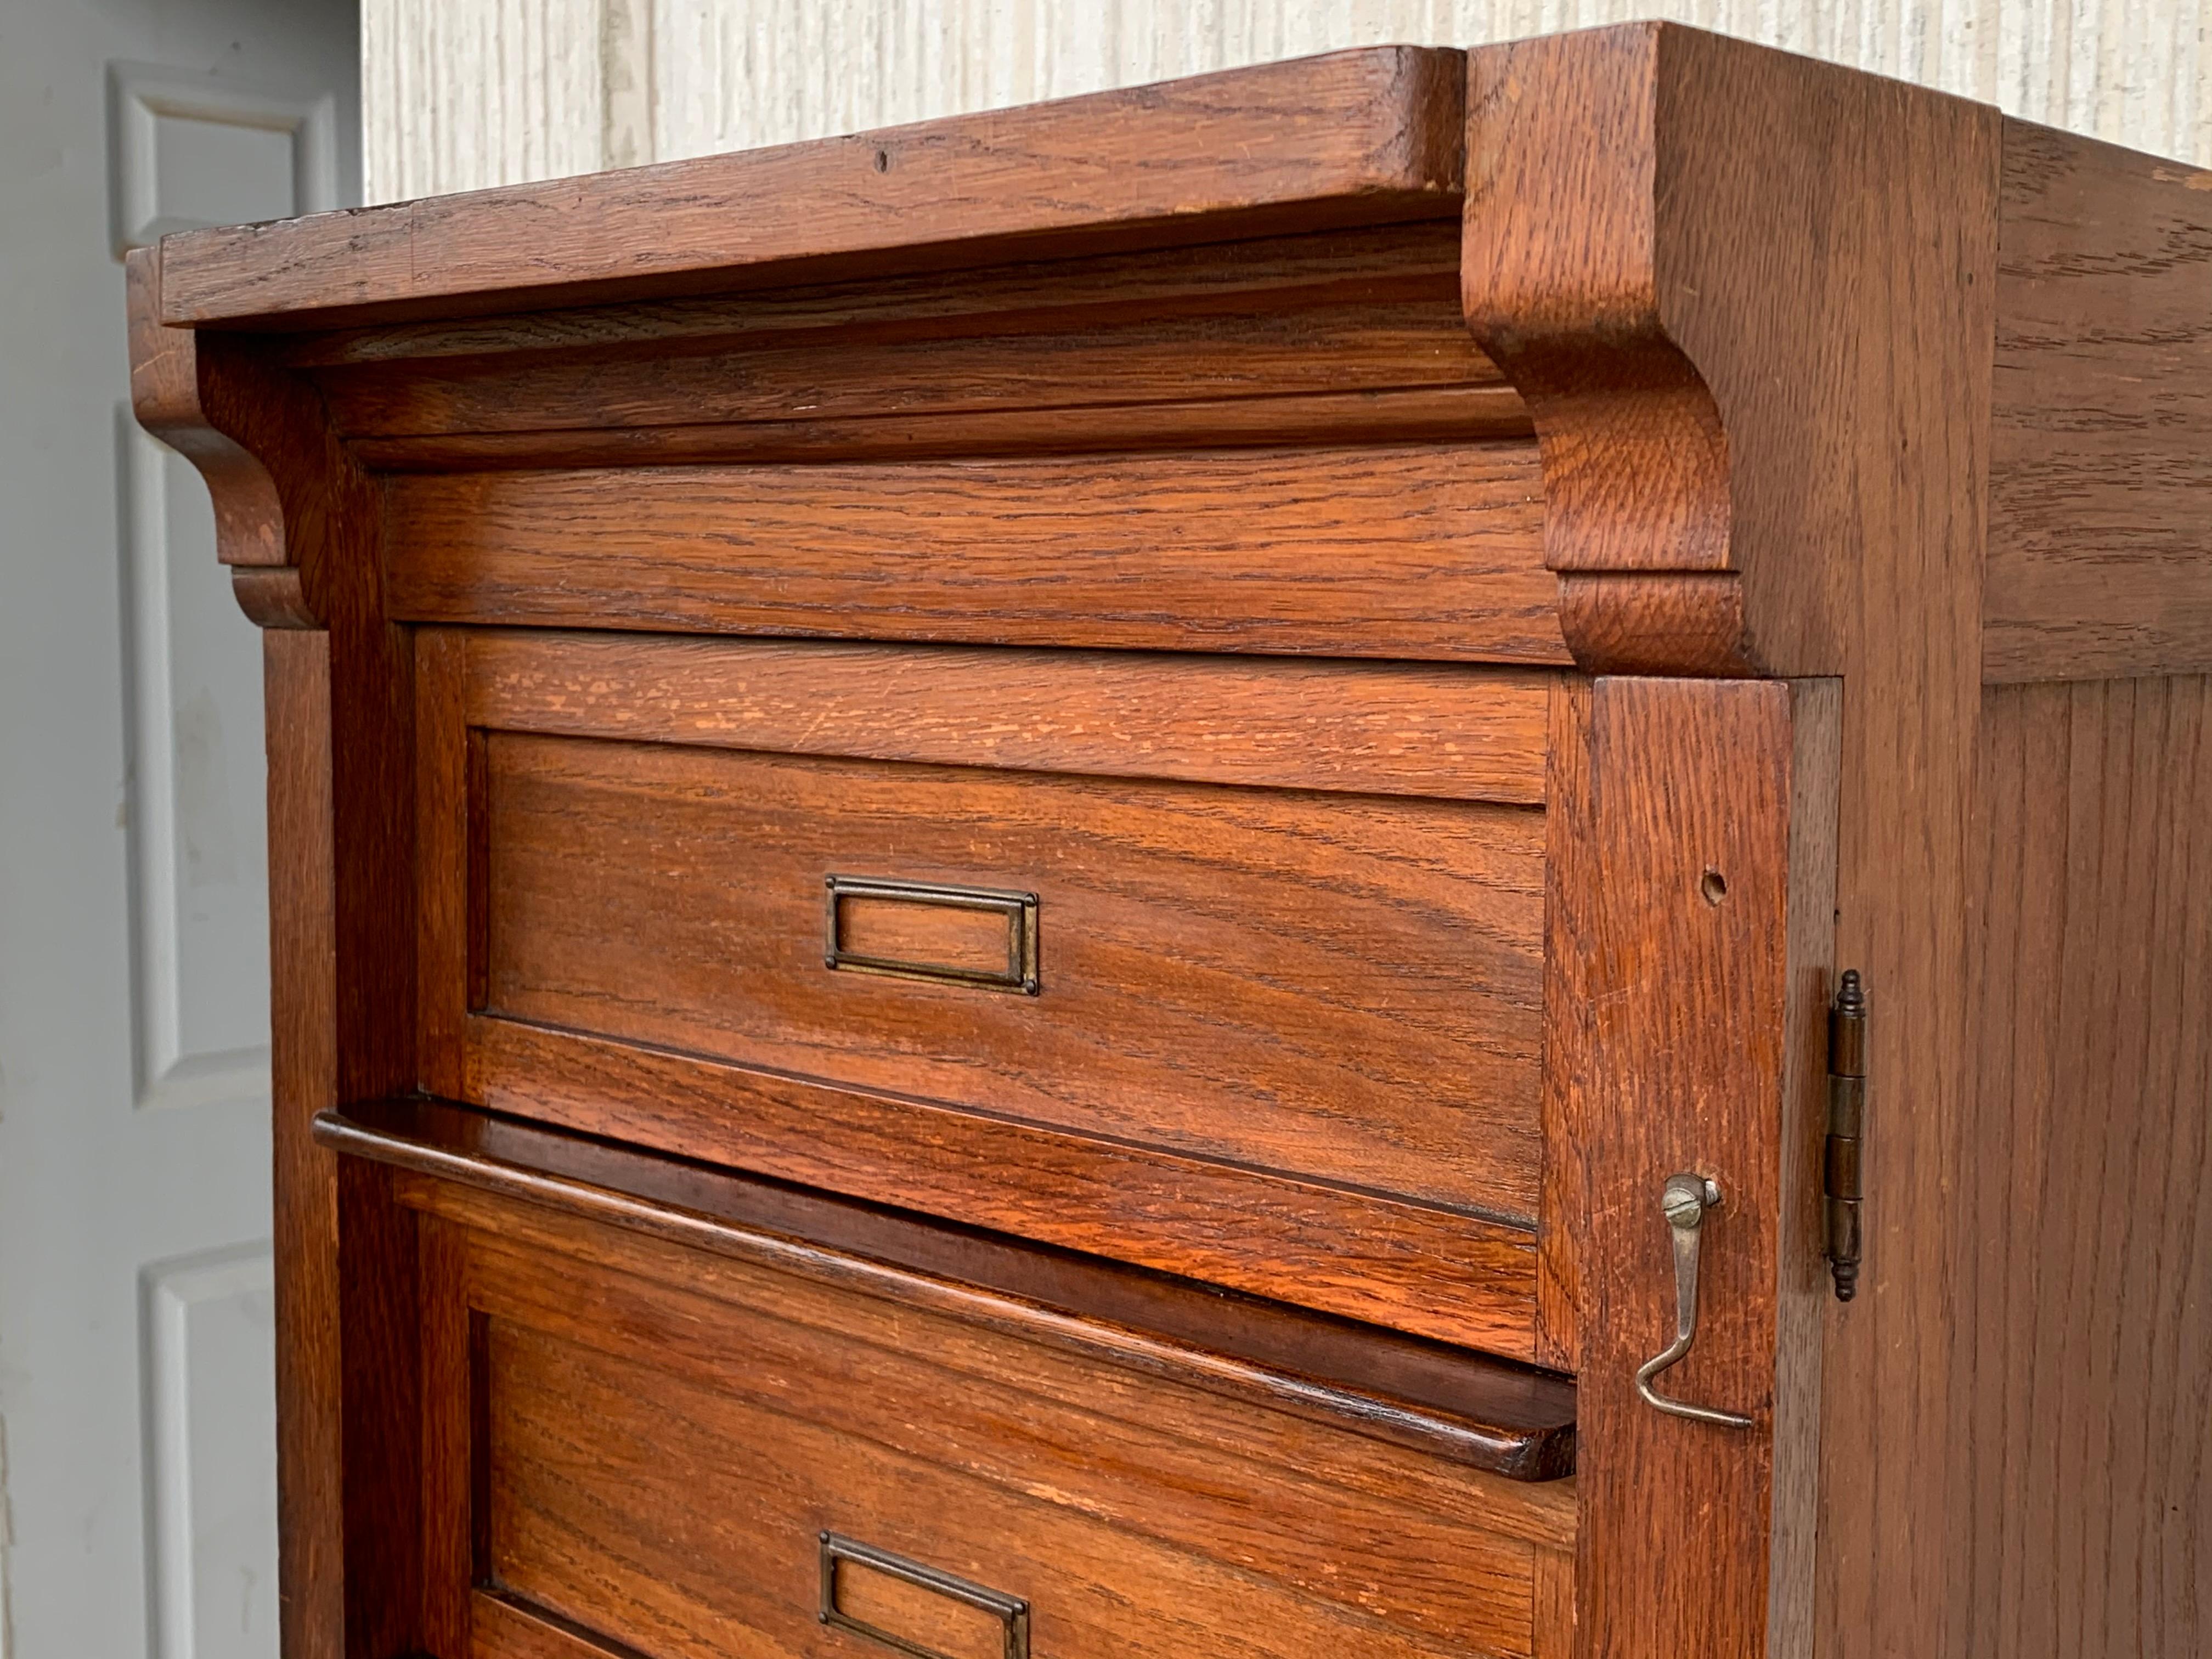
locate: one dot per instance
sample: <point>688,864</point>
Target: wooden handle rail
<point>1468,1407</point>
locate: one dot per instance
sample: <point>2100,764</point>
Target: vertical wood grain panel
<point>2100,479</point>
<point>443,810</point>
<point>452,1466</point>
<point>2087,1193</point>
<point>1571,889</point>
<point>1840,235</point>
<point>338,701</point>
<point>302,950</point>
<point>1709,827</point>
<point>459,94</point>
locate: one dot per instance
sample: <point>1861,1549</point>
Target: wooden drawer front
<point>647,1443</point>
<point>1331,987</point>
<point>1144,998</point>
<point>1417,550</point>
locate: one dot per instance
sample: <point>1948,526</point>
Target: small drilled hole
<point>883,161</point>
<point>1714,887</point>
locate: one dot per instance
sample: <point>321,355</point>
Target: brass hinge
<point>1847,1019</point>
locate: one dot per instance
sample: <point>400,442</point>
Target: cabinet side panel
<point>2087,1195</point>
<point>2100,470</point>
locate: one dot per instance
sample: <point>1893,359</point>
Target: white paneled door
<point>136,1340</point>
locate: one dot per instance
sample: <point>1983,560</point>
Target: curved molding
<point>1638,623</point>
<point>1560,282</point>
<point>165,395</point>
<point>1745,296</point>
<point>167,381</point>
<point>273,599</point>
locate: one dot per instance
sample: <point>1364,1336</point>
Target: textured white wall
<point>456,93</point>
<point>462,92</point>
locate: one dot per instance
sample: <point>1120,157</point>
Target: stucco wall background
<point>459,94</point>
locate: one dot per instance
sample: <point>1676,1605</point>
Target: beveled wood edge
<point>1301,723</point>
<point>1452,1275</point>
<point>1648,292</point>
<point>1405,261</point>
<point>505,1626</point>
<point>447,806</point>
<point>1568,968</point>
<point>1541,1449</point>
<point>1211,157</point>
<point>1738,777</point>
<point>1463,414</point>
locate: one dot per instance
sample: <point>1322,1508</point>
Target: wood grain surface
<point>1573,890</point>
<point>1330,337</point>
<point>1341,988</point>
<point>1412,261</point>
<point>918,1614</point>
<point>1247,153</point>
<point>300,522</point>
<point>1273,344</point>
<point>2084,1511</point>
<point>447,777</point>
<point>500,1626</point>
<point>1703,264</point>
<point>1416,1267</point>
<point>1059,713</point>
<point>2100,460</point>
<point>1448,1403</point>
<point>1417,550</point>
<point>1383,729</point>
<point>1296,420</point>
<point>1709,836</point>
<point>1751,302</point>
<point>1093,445</point>
<point>802,1406</point>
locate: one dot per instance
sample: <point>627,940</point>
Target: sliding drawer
<point>1100,950</point>
<point>742,1443</point>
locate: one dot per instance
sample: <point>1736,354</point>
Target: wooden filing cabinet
<point>1078,882</point>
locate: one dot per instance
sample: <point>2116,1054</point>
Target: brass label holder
<point>1011,1610</point>
<point>1018,911</point>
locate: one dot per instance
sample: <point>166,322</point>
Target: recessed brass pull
<point>1684,1201</point>
<point>997,1627</point>
<point>930,930</point>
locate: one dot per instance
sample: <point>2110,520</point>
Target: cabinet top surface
<point>1668,245</point>
<point>1370,135</point>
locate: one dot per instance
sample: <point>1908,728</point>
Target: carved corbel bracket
<point>1692,257</point>
<point>184,395</point>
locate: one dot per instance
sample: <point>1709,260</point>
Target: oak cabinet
<point>1395,854</point>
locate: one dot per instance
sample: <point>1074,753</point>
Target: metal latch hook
<point>1684,1201</point>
